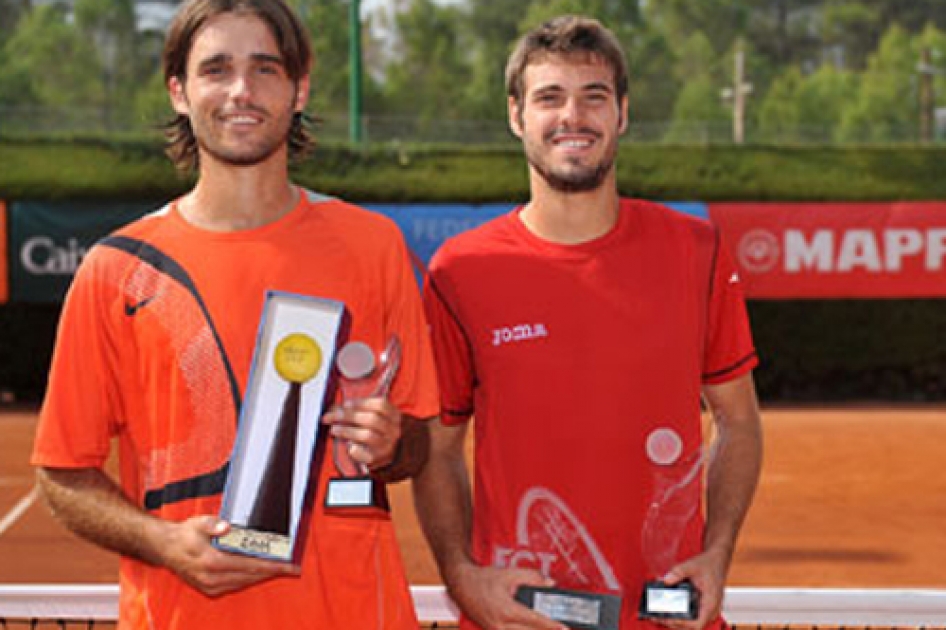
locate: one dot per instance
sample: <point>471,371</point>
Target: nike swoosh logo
<point>132,309</point>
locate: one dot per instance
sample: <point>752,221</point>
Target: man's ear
<point>177,96</point>
<point>514,112</point>
<point>302,93</point>
<point>623,113</point>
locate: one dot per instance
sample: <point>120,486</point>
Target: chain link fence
<point>33,122</point>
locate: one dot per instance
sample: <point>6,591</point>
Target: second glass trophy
<point>362,375</point>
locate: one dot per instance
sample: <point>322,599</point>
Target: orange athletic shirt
<point>154,349</point>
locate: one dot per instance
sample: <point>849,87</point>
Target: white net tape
<point>743,606</point>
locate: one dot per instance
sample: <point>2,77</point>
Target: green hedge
<point>830,350</point>
<point>137,169</point>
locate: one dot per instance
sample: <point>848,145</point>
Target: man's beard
<point>577,179</point>
<point>244,154</point>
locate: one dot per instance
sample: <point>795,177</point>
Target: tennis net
<point>95,607</point>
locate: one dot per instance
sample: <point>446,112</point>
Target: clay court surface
<point>850,497</point>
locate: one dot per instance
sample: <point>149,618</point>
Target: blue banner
<point>47,240</point>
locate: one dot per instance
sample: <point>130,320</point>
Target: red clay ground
<point>849,497</point>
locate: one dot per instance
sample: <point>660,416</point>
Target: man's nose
<point>571,112</point>
<point>241,88</point>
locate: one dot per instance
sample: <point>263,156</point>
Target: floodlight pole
<point>354,80</point>
<point>926,70</point>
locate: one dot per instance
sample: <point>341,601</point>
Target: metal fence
<point>31,122</point>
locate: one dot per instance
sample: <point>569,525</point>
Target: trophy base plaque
<point>665,601</point>
<point>355,493</point>
<point>576,609</point>
<point>256,543</point>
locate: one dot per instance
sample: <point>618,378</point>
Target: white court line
<point>21,506</point>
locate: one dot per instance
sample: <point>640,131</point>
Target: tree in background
<point>720,21</point>
<point>885,108</point>
<point>783,31</point>
<point>492,26</point>
<point>12,11</point>
<point>426,78</point>
<point>110,26</point>
<point>699,114</point>
<point>329,29</point>
<point>822,98</point>
<point>48,63</point>
<point>820,69</point>
<point>780,117</point>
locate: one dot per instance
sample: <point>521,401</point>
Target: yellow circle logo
<point>297,358</point>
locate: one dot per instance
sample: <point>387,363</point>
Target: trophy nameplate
<point>360,375</point>
<point>279,425</point>
<point>576,609</point>
<point>666,601</point>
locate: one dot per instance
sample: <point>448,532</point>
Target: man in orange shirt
<point>157,336</point>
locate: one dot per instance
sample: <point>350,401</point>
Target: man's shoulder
<point>136,234</point>
<point>483,238</point>
<point>656,214</point>
<point>350,215</point>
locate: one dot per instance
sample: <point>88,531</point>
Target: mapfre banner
<point>837,250</point>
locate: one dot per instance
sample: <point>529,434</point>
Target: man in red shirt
<point>582,331</point>
<point>157,337</point>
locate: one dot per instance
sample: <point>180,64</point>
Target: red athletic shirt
<point>570,357</point>
<point>154,349</point>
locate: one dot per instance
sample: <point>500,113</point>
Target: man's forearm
<point>442,499</point>
<point>412,452</point>
<point>732,481</point>
<point>91,505</point>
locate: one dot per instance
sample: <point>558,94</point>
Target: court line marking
<point>18,510</point>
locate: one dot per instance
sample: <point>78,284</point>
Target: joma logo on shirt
<point>519,332</point>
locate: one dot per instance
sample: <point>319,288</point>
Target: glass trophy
<point>677,495</point>
<point>361,376</point>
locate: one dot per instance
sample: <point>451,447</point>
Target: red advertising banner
<point>837,250</point>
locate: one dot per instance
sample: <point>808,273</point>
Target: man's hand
<point>189,553</point>
<point>708,572</point>
<point>371,426</point>
<point>486,595</point>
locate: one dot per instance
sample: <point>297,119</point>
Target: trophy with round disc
<point>677,495</point>
<point>362,375</point>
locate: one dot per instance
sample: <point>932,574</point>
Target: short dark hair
<point>566,35</point>
<point>291,37</point>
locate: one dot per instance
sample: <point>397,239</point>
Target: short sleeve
<point>80,411</point>
<point>415,388</point>
<point>452,350</point>
<point>729,350</point>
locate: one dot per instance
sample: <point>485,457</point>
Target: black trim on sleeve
<point>732,368</point>
<point>461,413</point>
